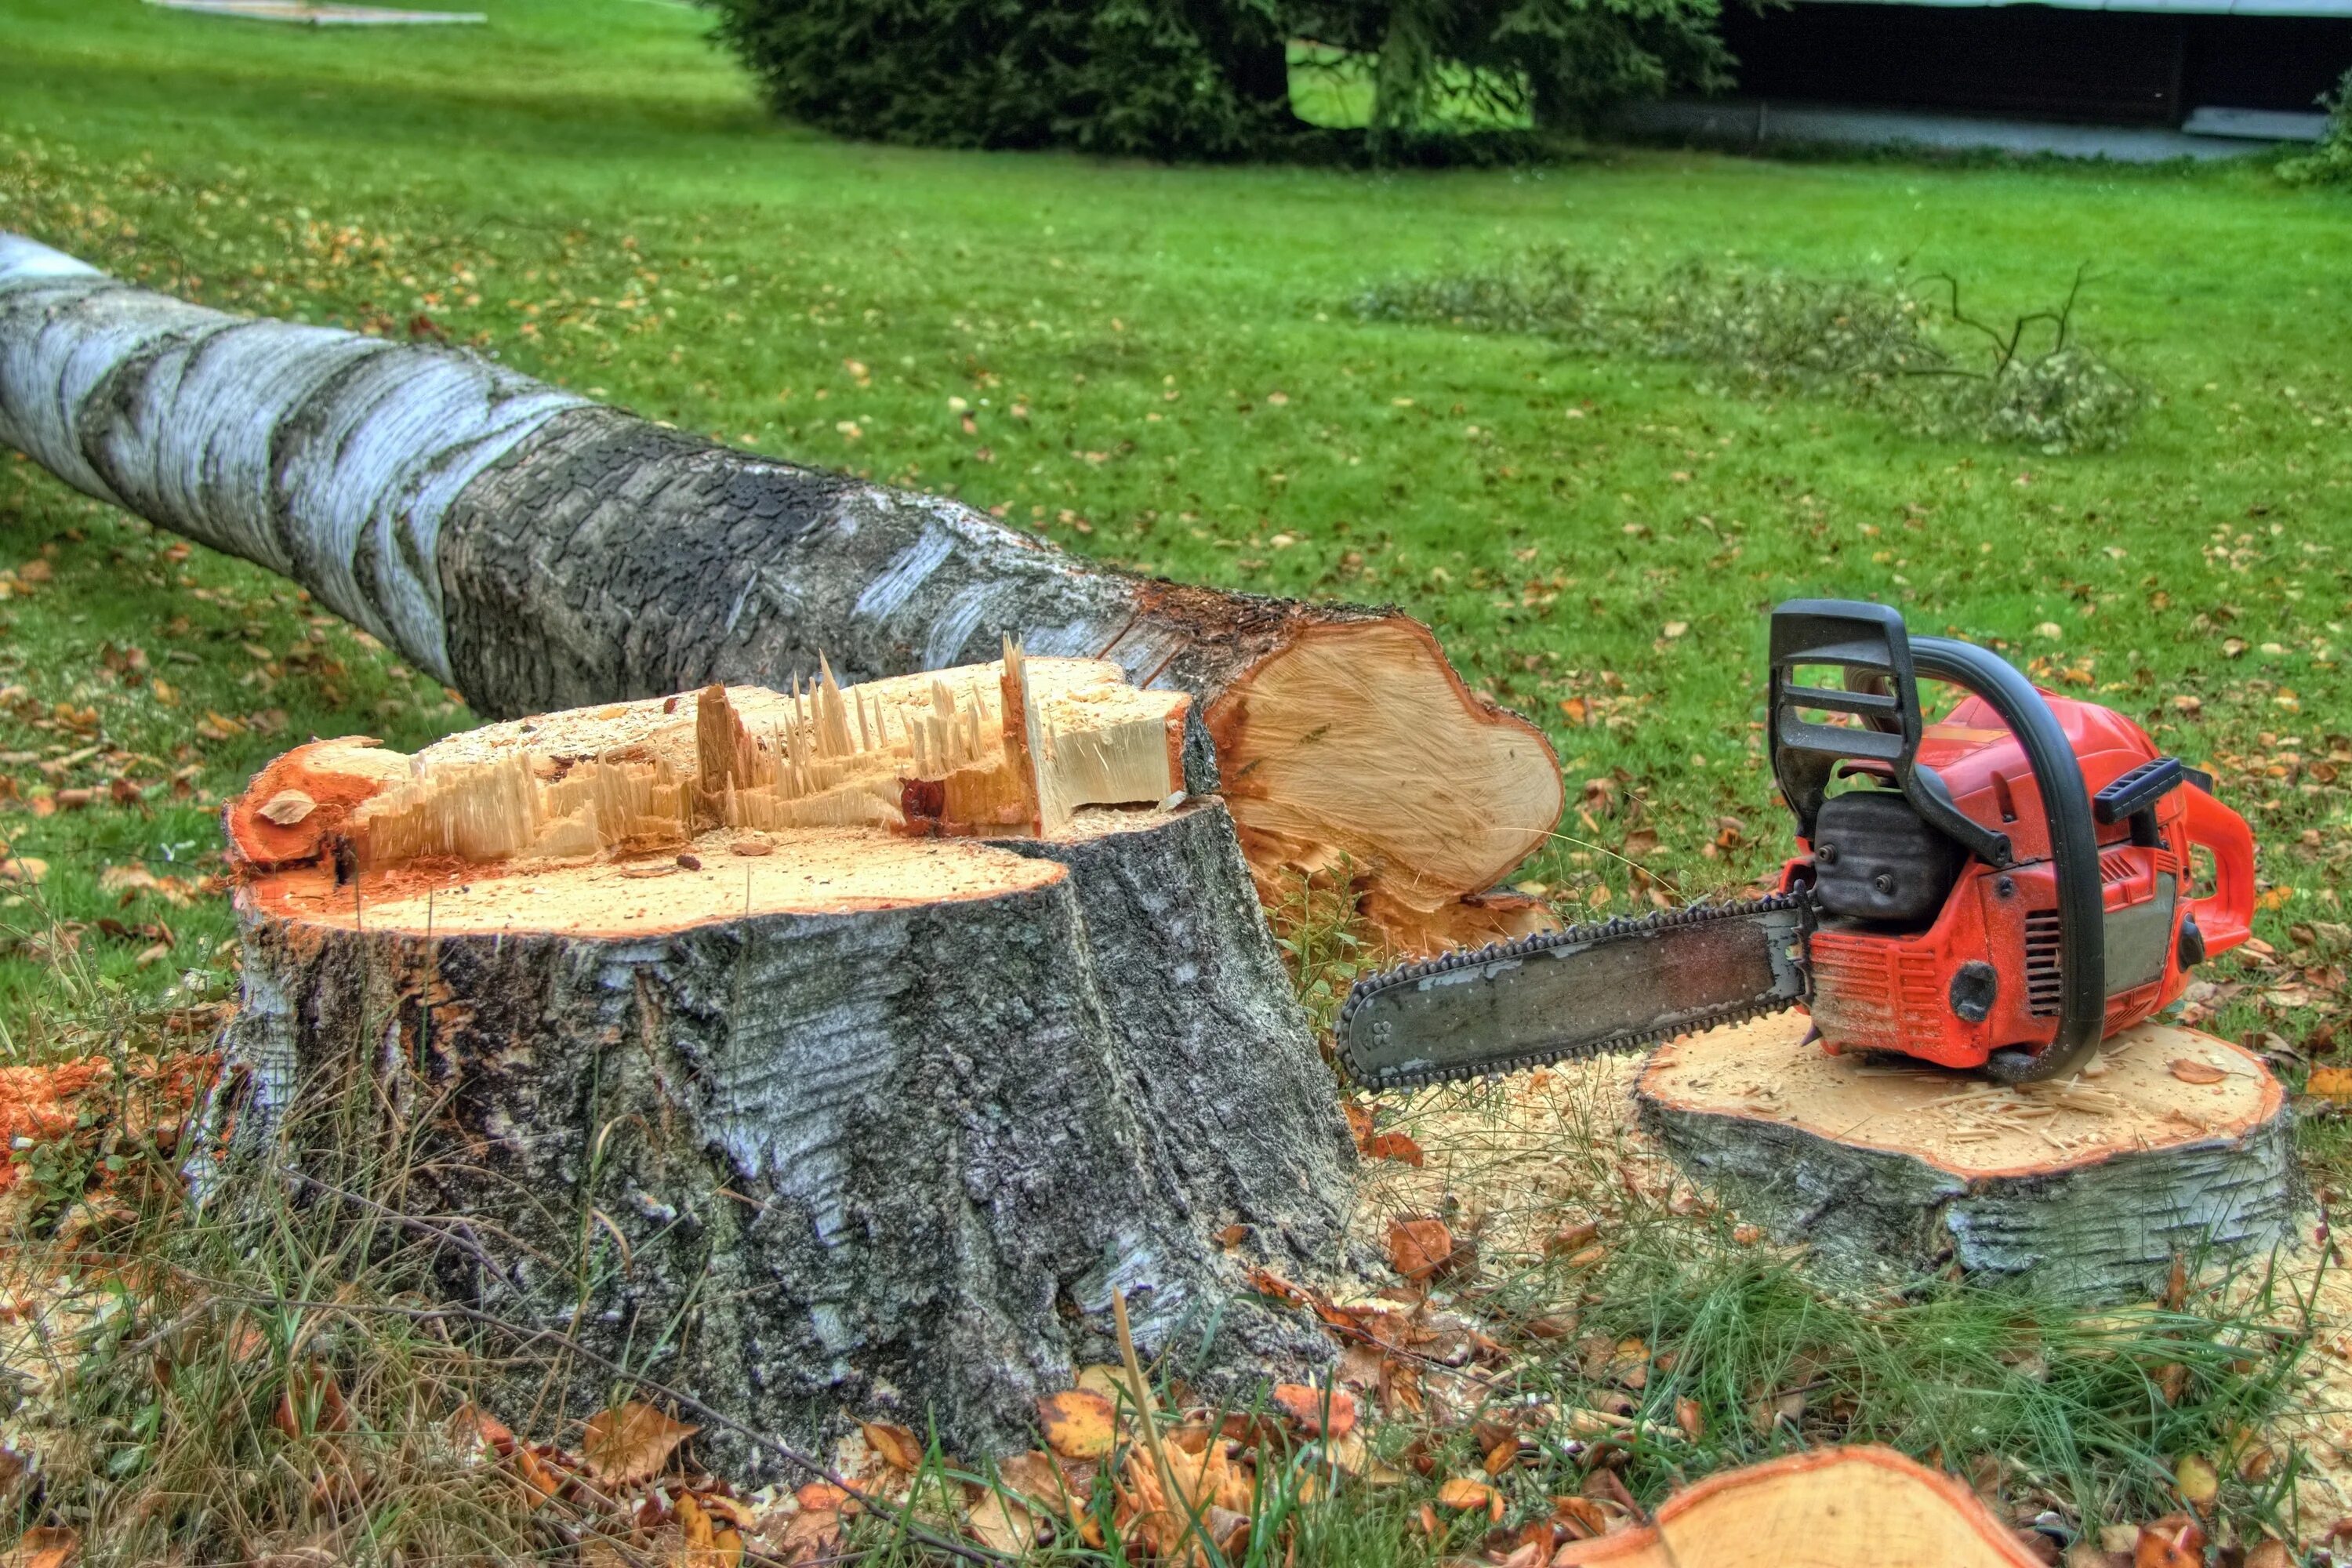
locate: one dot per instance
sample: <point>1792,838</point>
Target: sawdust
<point>2131,1096</point>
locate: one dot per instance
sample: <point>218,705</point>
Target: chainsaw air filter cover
<point>1874,859</point>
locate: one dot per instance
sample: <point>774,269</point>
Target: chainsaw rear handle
<point>2225,917</point>
<point>1873,638</point>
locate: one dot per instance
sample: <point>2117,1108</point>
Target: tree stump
<point>2170,1143</point>
<point>788,1066</point>
<point>1862,1507</point>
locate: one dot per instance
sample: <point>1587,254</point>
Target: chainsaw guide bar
<point>1616,985</point>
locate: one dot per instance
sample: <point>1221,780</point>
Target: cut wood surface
<point>860,1115</point>
<point>537,550</point>
<point>1862,1507</point>
<point>2169,1142</point>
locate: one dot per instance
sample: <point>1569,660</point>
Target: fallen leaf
<point>312,1402</point>
<point>24,869</point>
<point>2176,1541</point>
<point>1571,1238</point>
<point>2331,1083</point>
<point>1392,1146</point>
<point>1690,1418</point>
<point>1419,1249</point>
<point>896,1446</point>
<point>44,1546</point>
<point>1580,1518</point>
<point>631,1442</point>
<point>999,1522</point>
<point>1078,1424</point>
<point>1319,1412</point>
<point>2196,1480</point>
<point>1462,1494</point>
<point>2270,1554</point>
<point>1039,1482</point>
<point>286,807</point>
<point>2189,1069</point>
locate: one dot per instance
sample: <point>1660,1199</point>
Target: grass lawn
<point>1160,367</point>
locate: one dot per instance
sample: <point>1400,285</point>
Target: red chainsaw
<point>1999,890</point>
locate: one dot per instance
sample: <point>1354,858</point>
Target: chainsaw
<point>1998,890</point>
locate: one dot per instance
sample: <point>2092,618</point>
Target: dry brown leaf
<point>1580,1518</point>
<point>897,1447</point>
<point>2270,1554</point>
<point>1078,1424</point>
<point>312,1403</point>
<point>44,1546</point>
<point>631,1442</point>
<point>998,1523</point>
<point>286,807</point>
<point>1319,1412</point>
<point>1419,1249</point>
<point>2189,1069</point>
<point>1690,1418</point>
<point>1041,1483</point>
<point>23,869</point>
<point>1461,1493</point>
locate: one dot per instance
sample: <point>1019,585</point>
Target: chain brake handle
<point>1871,641</point>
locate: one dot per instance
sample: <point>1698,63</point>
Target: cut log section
<point>791,1095</point>
<point>2169,1144</point>
<point>537,550</point>
<point>1862,1507</point>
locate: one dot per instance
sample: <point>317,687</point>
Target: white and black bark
<point>804,1165</point>
<point>2097,1212</point>
<point>537,550</point>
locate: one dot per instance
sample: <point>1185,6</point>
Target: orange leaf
<point>894,1443</point>
<point>1077,1424</point>
<point>631,1442</point>
<point>1462,1494</point>
<point>2173,1541</point>
<point>1502,1456</point>
<point>2331,1083</point>
<point>1318,1412</point>
<point>1392,1146</point>
<point>1419,1249</point>
<point>44,1546</point>
<point>2189,1069</point>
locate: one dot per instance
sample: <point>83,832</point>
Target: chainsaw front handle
<point>2225,917</point>
<point>1857,635</point>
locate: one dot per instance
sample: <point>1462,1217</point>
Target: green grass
<point>1165,370</point>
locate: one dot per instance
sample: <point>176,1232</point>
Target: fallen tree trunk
<point>2170,1144</point>
<point>770,1045</point>
<point>537,550</point>
<point>1862,1507</point>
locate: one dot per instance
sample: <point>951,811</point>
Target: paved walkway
<point>1757,122</point>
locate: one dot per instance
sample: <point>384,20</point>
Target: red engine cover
<point>1877,991</point>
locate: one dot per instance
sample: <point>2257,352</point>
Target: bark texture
<point>536,550</point>
<point>2085,1189</point>
<point>800,1164</point>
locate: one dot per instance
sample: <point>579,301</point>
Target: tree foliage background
<point>1210,78</point>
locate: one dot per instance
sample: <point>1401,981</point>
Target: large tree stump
<point>1862,1507</point>
<point>803,1118</point>
<point>535,550</point>
<point>2170,1143</point>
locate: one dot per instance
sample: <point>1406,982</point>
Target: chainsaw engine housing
<point>1979,971</point>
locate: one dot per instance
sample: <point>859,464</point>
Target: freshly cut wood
<point>1861,1507</point>
<point>2169,1143</point>
<point>802,1116</point>
<point>536,550</point>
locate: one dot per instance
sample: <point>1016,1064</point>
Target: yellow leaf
<point>2331,1083</point>
<point>1462,1494</point>
<point>631,1442</point>
<point>2198,1481</point>
<point>894,1443</point>
<point>1078,1424</point>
